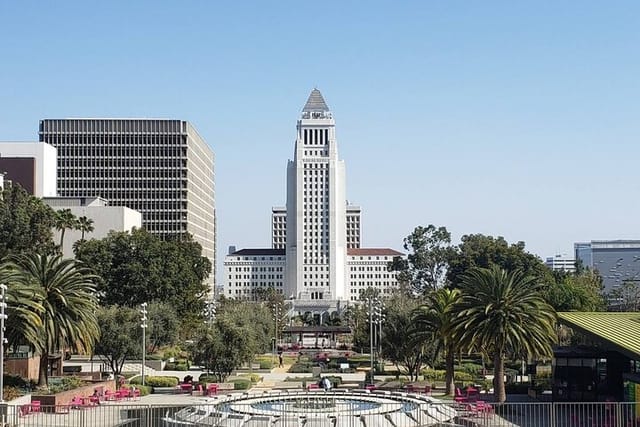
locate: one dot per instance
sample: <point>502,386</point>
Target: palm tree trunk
<point>43,375</point>
<point>498,380</point>
<point>450,386</point>
<point>62,238</point>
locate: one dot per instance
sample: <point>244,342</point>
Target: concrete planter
<point>49,402</point>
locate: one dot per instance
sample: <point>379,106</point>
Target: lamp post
<point>370,301</point>
<point>144,337</point>
<point>276,311</point>
<point>210,312</point>
<point>3,317</point>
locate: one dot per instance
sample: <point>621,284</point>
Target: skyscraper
<point>316,208</point>
<point>161,168</point>
<point>316,238</point>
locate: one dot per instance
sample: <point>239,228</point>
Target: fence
<point>349,412</point>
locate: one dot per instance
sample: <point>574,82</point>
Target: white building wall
<point>245,272</point>
<point>46,163</point>
<point>105,219</point>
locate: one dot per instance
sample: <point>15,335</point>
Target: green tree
<point>478,250</point>
<point>23,323</point>
<point>432,321</point>
<point>65,220</point>
<point>85,225</point>
<point>163,325</point>
<point>503,314</point>
<point>137,267</point>
<point>223,348</point>
<point>25,223</point>
<point>67,294</point>
<point>426,265</point>
<point>575,291</point>
<point>120,335</point>
<point>400,344</point>
<point>626,297</point>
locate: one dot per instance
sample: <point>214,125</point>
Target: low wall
<point>49,401</point>
<point>155,364</point>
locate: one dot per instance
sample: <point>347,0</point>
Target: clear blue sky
<point>505,118</point>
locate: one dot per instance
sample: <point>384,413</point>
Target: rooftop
<point>315,103</point>
<point>373,251</point>
<point>621,331</point>
<point>258,251</point>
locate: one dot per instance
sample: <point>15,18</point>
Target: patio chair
<point>35,406</point>
<point>459,397</point>
<point>77,403</point>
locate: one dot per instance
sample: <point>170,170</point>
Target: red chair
<point>77,402</point>
<point>459,397</point>
<point>212,389</point>
<point>35,406</point>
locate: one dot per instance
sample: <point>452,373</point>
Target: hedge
<point>266,364</point>
<point>439,375</point>
<point>241,383</point>
<point>156,381</point>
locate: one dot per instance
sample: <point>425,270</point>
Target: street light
<point>276,314</point>
<point>375,318</point>
<point>3,317</point>
<point>210,312</point>
<point>144,338</point>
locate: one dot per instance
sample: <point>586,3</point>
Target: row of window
<point>260,269</point>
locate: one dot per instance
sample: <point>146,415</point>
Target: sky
<point>514,119</point>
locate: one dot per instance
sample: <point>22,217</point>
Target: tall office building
<point>316,208</point>
<point>161,168</point>
<point>317,236</point>
<point>617,261</point>
<point>561,262</point>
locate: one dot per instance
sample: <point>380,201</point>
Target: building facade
<point>617,261</point>
<point>105,219</point>
<point>316,237</point>
<point>161,168</point>
<point>30,164</point>
<point>561,263</point>
<point>249,271</point>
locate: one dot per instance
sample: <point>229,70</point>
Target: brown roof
<point>373,251</point>
<point>259,251</point>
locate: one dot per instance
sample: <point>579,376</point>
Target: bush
<point>266,364</point>
<point>156,381</point>
<point>11,393</point>
<point>65,384</point>
<point>439,375</point>
<point>301,368</point>
<point>207,378</point>
<point>241,383</point>
<point>18,382</point>
<point>254,378</point>
<point>144,389</point>
<point>178,366</point>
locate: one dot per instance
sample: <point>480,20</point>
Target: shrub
<point>11,393</point>
<point>266,364</point>
<point>18,382</point>
<point>156,381</point>
<point>207,378</point>
<point>254,378</point>
<point>178,366</point>
<point>144,389</point>
<point>241,383</point>
<point>66,383</point>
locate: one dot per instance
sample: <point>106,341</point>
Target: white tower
<point>316,244</point>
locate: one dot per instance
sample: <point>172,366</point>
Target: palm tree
<point>433,320</point>
<point>85,225</point>
<point>65,219</point>
<point>23,309</point>
<point>503,313</point>
<point>68,298</point>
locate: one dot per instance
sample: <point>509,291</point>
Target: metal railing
<point>402,413</point>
